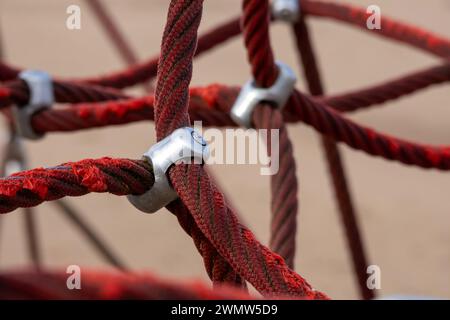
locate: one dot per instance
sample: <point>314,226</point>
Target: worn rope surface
<point>284,186</point>
<point>335,164</point>
<point>108,285</point>
<point>117,176</point>
<point>266,271</point>
<point>230,251</point>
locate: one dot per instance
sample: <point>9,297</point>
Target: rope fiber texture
<point>266,271</point>
<point>284,186</point>
<point>231,253</point>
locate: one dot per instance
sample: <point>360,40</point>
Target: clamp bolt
<point>286,10</point>
<point>41,97</point>
<point>184,145</point>
<point>251,95</point>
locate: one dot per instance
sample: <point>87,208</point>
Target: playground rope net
<point>232,255</point>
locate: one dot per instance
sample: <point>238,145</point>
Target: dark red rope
<point>388,90</point>
<point>144,71</point>
<point>284,206</point>
<point>401,32</point>
<point>335,165</point>
<point>103,285</point>
<point>17,92</point>
<point>117,176</point>
<point>332,124</point>
<point>266,271</point>
<point>283,185</point>
<point>174,74</point>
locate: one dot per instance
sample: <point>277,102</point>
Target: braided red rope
<point>335,164</point>
<point>17,92</point>
<point>108,285</point>
<point>283,186</point>
<point>398,31</point>
<point>284,206</point>
<point>330,123</point>
<point>402,32</point>
<point>266,271</point>
<point>226,246</point>
<point>147,70</point>
<point>211,104</point>
<point>117,176</point>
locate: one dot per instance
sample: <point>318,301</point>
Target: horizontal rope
<point>52,285</point>
<point>117,176</point>
<point>17,92</point>
<point>142,72</point>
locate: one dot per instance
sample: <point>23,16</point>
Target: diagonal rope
<point>335,164</point>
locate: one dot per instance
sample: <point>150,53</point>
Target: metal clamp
<point>251,95</point>
<point>184,145</point>
<point>41,97</point>
<point>286,10</point>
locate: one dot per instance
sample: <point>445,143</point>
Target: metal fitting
<point>41,97</point>
<point>251,95</point>
<point>286,10</point>
<point>184,145</point>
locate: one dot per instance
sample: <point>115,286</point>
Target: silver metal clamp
<point>41,97</point>
<point>184,145</point>
<point>251,95</point>
<point>286,10</point>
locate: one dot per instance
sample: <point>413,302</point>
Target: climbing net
<point>232,255</point>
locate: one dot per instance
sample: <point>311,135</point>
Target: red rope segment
<point>17,92</point>
<point>331,123</point>
<point>217,268</point>
<point>211,104</point>
<point>337,173</point>
<point>414,36</point>
<point>171,95</point>
<point>113,32</point>
<point>283,185</point>
<point>48,285</point>
<point>145,71</point>
<point>390,90</point>
<point>411,35</point>
<point>266,271</point>
<point>116,37</point>
<point>284,203</point>
<point>117,176</point>
<point>255,28</point>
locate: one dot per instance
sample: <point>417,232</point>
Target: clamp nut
<point>41,97</point>
<point>184,145</point>
<point>286,10</point>
<point>251,95</point>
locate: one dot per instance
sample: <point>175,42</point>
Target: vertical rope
<point>266,271</point>
<point>335,165</point>
<point>284,186</point>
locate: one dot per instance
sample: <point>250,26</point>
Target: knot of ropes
<point>165,177</point>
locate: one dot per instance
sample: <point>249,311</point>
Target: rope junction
<point>231,253</point>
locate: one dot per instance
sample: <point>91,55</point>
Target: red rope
<point>17,92</point>
<point>117,176</point>
<point>284,206</point>
<point>335,164</point>
<point>389,90</point>
<point>146,70</point>
<point>398,31</point>
<point>211,104</point>
<point>266,271</point>
<point>230,251</point>
<point>107,285</point>
<point>332,124</point>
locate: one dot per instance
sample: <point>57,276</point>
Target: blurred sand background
<point>404,211</point>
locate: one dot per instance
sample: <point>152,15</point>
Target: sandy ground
<point>404,211</point>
